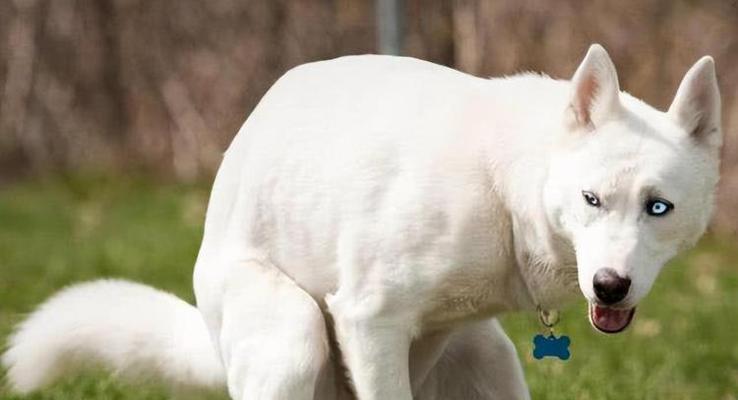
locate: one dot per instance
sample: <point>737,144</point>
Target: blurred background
<point>114,115</point>
<point>162,86</point>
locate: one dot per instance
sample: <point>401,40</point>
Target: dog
<point>375,214</point>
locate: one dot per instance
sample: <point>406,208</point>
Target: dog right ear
<point>595,90</point>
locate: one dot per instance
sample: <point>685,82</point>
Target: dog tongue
<point>610,320</point>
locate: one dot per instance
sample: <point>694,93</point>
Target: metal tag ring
<point>549,318</point>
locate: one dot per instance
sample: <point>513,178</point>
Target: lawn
<point>683,344</point>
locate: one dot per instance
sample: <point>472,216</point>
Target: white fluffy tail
<point>135,330</point>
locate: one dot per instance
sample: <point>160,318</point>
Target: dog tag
<point>551,346</point>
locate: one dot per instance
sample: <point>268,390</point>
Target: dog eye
<point>591,198</point>
<point>658,207</point>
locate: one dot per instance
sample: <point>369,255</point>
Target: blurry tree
<point>164,85</point>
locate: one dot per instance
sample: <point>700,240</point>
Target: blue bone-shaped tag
<point>551,346</point>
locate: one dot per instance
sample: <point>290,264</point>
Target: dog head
<point>630,186</point>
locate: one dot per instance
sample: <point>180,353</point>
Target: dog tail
<point>132,329</point>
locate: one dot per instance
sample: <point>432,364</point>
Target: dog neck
<point>545,263</point>
<point>545,257</point>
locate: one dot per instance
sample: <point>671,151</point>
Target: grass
<point>683,344</point>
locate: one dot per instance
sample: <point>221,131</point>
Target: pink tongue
<point>610,320</point>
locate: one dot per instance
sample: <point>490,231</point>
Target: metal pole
<point>390,26</point>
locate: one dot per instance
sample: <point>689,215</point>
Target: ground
<point>682,345</point>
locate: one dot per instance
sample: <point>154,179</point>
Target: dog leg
<point>273,337</point>
<point>479,363</point>
<point>424,355</point>
<point>375,347</point>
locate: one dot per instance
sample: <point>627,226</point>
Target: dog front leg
<point>479,362</point>
<point>375,347</point>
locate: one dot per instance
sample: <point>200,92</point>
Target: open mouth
<point>610,320</point>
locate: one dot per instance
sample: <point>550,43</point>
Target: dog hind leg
<point>273,336</point>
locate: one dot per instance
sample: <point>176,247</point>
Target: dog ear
<point>595,89</point>
<point>696,106</point>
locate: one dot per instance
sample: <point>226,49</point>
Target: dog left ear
<point>696,106</point>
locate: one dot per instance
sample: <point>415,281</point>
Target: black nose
<point>610,287</point>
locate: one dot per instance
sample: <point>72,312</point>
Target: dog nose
<point>610,287</point>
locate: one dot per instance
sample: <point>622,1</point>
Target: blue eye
<point>591,198</point>
<point>658,207</point>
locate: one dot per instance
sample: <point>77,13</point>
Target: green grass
<point>683,344</point>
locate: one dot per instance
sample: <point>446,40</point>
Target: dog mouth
<point>610,320</point>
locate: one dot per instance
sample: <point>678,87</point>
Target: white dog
<point>373,216</point>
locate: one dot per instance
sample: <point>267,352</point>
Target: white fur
<point>133,329</point>
<point>374,208</point>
